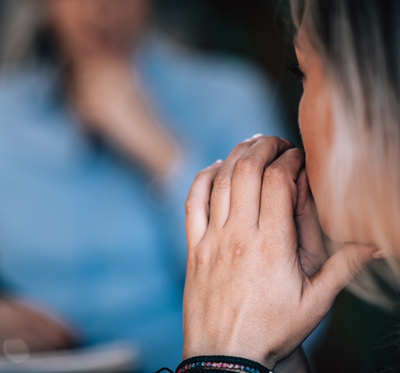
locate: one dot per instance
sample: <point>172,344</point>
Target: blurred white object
<point>113,358</point>
<point>16,350</point>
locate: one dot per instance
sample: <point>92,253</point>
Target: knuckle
<point>202,175</point>
<point>273,141</point>
<point>355,265</point>
<point>222,181</point>
<point>248,164</point>
<point>241,146</point>
<point>299,153</point>
<point>191,205</point>
<point>197,259</point>
<point>354,268</point>
<point>276,176</point>
<point>296,156</point>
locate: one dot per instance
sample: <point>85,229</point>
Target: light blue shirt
<point>83,234</point>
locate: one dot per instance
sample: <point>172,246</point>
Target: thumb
<point>338,271</point>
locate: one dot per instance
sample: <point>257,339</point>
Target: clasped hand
<point>259,280</point>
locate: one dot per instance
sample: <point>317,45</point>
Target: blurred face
<point>88,27</point>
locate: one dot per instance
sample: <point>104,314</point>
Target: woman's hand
<point>36,331</point>
<point>107,97</point>
<point>252,289</point>
<point>100,88</point>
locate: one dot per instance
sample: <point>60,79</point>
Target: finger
<point>198,204</point>
<point>221,193</point>
<point>37,335</point>
<point>312,253</point>
<point>52,332</point>
<point>39,339</point>
<point>54,337</point>
<point>247,178</point>
<point>43,327</point>
<point>279,191</point>
<point>337,272</point>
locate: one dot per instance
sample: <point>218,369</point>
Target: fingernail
<point>217,162</point>
<point>257,135</point>
<point>247,140</point>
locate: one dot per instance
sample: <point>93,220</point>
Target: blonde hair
<point>359,43</point>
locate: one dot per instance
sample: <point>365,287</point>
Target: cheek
<point>310,122</point>
<point>316,125</point>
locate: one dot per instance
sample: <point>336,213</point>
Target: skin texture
<point>258,277</point>
<point>251,286</point>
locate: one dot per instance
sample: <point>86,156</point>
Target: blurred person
<point>103,124</point>
<point>261,274</point>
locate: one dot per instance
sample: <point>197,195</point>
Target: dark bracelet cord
<point>220,364</point>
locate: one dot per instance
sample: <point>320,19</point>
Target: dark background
<point>259,30</point>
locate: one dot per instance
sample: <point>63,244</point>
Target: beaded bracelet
<point>221,363</point>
